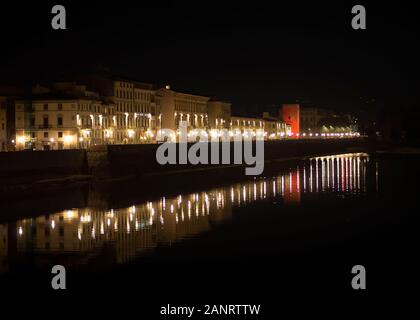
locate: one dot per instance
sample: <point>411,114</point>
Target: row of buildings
<point>306,120</point>
<point>94,110</point>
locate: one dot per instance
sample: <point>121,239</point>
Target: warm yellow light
<point>130,133</point>
<point>214,133</point>
<point>68,139</point>
<point>70,214</point>
<point>20,139</point>
<point>108,133</point>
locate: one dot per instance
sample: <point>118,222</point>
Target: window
<point>59,121</point>
<point>46,106</point>
<point>60,134</point>
<point>33,135</point>
<point>45,134</point>
<point>45,122</point>
<point>60,106</point>
<point>32,122</point>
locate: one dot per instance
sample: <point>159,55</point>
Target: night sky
<point>255,54</point>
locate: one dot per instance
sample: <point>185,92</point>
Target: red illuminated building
<point>291,115</point>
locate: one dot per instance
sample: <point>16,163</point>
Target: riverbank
<point>23,173</point>
<point>61,194</point>
<point>41,195</point>
<point>116,179</point>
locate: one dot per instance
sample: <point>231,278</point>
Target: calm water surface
<point>304,227</point>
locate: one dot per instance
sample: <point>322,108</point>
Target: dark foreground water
<point>305,227</point>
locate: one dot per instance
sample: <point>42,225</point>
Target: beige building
<point>136,113</point>
<point>219,114</point>
<point>106,110</point>
<point>70,116</point>
<point>274,127</point>
<point>57,122</point>
<point>176,106</point>
<point>245,124</point>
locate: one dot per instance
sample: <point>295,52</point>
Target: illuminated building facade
<point>102,110</point>
<point>68,115</point>
<point>219,114</point>
<point>308,121</point>
<point>291,116</point>
<point>275,128</point>
<point>177,106</point>
<point>56,123</point>
<point>246,123</point>
<point>136,114</point>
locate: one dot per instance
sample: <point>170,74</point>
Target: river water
<point>304,227</point>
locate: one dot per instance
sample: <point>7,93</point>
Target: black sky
<point>254,54</point>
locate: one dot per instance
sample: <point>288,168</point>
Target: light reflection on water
<point>138,229</point>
